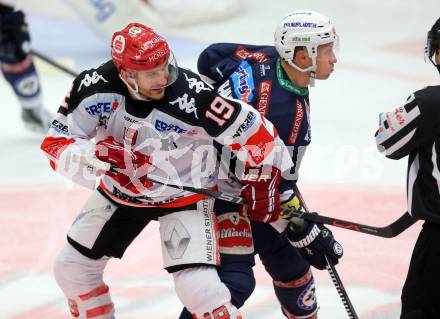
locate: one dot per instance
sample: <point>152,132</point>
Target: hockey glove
<point>261,194</point>
<point>314,241</point>
<point>129,167</point>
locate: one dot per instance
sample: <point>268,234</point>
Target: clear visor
<point>154,79</point>
<point>168,71</point>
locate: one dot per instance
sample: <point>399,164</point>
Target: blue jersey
<point>254,75</point>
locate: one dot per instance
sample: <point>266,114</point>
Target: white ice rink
<point>343,175</point>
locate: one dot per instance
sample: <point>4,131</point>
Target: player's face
<point>437,56</point>
<point>152,83</point>
<point>325,61</point>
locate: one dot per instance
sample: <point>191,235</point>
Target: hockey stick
<point>53,63</point>
<point>389,231</point>
<point>337,282</point>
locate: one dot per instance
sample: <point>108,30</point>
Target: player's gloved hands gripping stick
<point>128,168</point>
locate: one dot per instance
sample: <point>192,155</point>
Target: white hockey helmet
<point>304,28</point>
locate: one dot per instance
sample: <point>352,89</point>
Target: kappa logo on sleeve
<point>186,104</point>
<point>198,86</point>
<point>89,80</point>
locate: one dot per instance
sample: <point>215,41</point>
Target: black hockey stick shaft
<point>389,231</point>
<point>337,282</point>
<point>53,63</point>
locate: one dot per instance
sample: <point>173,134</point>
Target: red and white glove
<point>261,193</point>
<point>129,168</point>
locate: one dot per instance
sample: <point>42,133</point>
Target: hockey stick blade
<point>389,231</point>
<point>394,229</point>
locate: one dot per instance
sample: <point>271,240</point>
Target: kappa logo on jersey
<point>243,82</point>
<point>248,122</point>
<point>103,120</point>
<point>89,80</point>
<point>162,126</point>
<point>186,104</point>
<point>199,86</point>
<point>98,108</point>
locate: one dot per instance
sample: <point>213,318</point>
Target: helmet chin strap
<point>311,69</point>
<point>134,91</point>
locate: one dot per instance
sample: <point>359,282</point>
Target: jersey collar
<point>287,84</point>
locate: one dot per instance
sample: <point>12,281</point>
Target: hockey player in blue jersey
<point>275,81</point>
<point>17,67</point>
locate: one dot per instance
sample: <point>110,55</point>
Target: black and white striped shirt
<point>414,130</point>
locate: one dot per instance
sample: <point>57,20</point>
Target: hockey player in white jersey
<point>148,117</point>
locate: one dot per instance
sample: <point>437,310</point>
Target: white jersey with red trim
<point>178,132</point>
